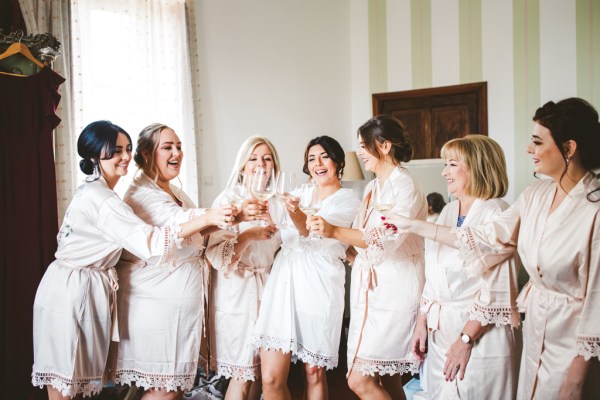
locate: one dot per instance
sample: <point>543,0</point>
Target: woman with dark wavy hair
<point>555,227</point>
<point>74,314</point>
<point>302,306</point>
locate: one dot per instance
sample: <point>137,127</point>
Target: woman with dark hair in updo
<point>388,275</point>
<point>555,227</point>
<point>74,314</point>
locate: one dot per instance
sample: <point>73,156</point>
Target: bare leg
<point>316,383</point>
<point>393,385</point>
<point>162,394</point>
<point>367,387</point>
<point>255,390</point>
<point>54,394</point>
<point>237,389</point>
<point>275,368</point>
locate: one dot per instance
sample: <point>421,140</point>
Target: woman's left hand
<point>319,226</point>
<point>457,359</point>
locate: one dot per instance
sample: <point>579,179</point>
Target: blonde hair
<point>244,154</point>
<point>147,142</point>
<point>487,166</point>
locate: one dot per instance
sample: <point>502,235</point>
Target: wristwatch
<point>466,339</point>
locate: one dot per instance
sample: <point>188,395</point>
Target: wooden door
<point>434,116</point>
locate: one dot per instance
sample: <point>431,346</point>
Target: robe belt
<point>544,294</point>
<point>434,311</point>
<point>258,273</point>
<point>371,285</point>
<point>113,281</point>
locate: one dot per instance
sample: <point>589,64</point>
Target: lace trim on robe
<point>196,240</point>
<point>172,242</point>
<point>469,252</point>
<point>237,372</point>
<point>588,347</point>
<point>424,305</point>
<point>372,367</point>
<point>67,387</point>
<point>298,351</point>
<point>227,253</point>
<point>155,381</point>
<point>498,316</point>
<point>375,249</point>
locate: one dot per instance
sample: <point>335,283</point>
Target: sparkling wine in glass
<point>383,197</point>
<point>310,204</point>
<point>286,184</point>
<point>263,186</point>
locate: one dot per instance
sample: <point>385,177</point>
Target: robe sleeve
<point>118,222</point>
<point>220,248</point>
<point>163,210</point>
<point>484,246</point>
<point>588,331</point>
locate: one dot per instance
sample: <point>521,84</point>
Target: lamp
<point>352,170</point>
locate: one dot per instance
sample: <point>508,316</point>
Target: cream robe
<point>561,253</point>
<point>160,303</point>
<point>451,298</point>
<point>236,292</point>
<point>75,304</point>
<point>386,285</point>
<point>303,302</point>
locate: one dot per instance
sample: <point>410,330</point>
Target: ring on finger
<point>457,366</point>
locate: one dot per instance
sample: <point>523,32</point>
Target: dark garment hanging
<point>29,221</point>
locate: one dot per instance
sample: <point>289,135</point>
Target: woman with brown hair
<point>161,303</point>
<point>387,275</point>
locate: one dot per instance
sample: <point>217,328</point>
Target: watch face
<point>465,338</point>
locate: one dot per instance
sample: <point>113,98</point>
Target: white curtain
<point>43,16</point>
<point>134,69</point>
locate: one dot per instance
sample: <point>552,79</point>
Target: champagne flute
<point>383,197</point>
<point>286,184</point>
<point>263,186</point>
<point>310,204</point>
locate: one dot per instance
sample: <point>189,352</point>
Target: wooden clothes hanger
<point>20,48</point>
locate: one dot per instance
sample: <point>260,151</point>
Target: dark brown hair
<point>333,149</point>
<point>386,128</point>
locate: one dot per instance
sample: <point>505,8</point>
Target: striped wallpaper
<point>529,52</point>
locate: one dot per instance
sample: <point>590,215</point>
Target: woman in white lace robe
<point>387,276</point>
<point>302,309</point>
<point>555,226</point>
<point>470,318</point>
<point>161,302</point>
<point>75,310</point>
<point>242,260</point>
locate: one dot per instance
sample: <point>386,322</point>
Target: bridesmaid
<point>387,276</point>
<point>161,301</point>
<point>242,260</point>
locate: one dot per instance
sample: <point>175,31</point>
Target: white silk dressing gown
<point>75,310</point>
<point>161,303</point>
<point>386,285</point>
<point>236,292</point>
<point>303,302</point>
<point>561,301</point>
<point>451,297</point>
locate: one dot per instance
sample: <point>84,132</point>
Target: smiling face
<point>456,173</point>
<point>168,155</point>
<point>370,161</point>
<point>116,167</point>
<point>547,158</point>
<point>261,157</point>
<point>321,167</point>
